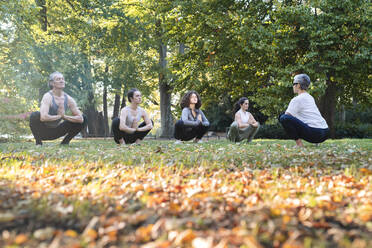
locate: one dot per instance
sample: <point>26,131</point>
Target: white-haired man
<point>52,121</point>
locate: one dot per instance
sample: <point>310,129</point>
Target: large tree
<point>255,47</point>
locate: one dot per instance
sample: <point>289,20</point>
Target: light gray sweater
<point>189,120</point>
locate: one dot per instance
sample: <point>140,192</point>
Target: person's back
<point>304,108</point>
<point>302,119</point>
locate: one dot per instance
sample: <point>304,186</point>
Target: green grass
<point>267,193</point>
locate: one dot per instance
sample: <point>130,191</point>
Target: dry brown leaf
<point>20,239</point>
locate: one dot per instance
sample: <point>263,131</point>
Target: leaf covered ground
<point>94,193</point>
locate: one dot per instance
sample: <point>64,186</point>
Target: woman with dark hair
<point>193,123</point>
<point>127,129</point>
<point>302,119</point>
<point>244,125</point>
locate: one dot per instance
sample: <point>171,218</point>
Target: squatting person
<point>302,119</point>
<point>244,126</point>
<point>193,123</point>
<point>128,129</point>
<point>52,121</point>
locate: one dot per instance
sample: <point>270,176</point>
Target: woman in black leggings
<point>193,123</point>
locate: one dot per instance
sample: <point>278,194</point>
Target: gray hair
<point>303,80</point>
<point>51,78</point>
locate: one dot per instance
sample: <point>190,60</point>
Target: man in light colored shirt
<point>302,119</point>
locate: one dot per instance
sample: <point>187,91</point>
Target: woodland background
<point>223,49</point>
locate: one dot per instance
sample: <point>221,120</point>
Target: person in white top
<point>244,126</point>
<point>128,129</point>
<point>302,119</point>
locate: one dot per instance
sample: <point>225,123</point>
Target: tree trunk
<point>90,108</point>
<point>44,26</point>
<point>115,112</point>
<point>92,116</point>
<point>123,100</point>
<point>328,105</point>
<point>100,125</point>
<point>166,118</point>
<point>181,49</point>
<point>105,113</point>
<point>43,15</point>
<point>343,114</point>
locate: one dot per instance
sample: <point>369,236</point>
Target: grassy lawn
<point>94,193</point>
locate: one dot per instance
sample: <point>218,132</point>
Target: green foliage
<point>271,131</point>
<point>342,130</point>
<point>356,114</point>
<point>232,48</point>
<point>351,130</point>
<point>235,48</point>
<point>14,113</point>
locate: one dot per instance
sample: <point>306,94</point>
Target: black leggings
<point>296,129</point>
<point>182,132</point>
<point>43,132</point>
<point>129,138</point>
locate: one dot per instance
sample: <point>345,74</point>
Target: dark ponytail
<point>238,103</point>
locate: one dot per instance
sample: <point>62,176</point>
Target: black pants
<point>129,138</point>
<point>296,129</point>
<point>182,132</point>
<point>44,132</point>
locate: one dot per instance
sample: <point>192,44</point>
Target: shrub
<point>350,130</point>
<point>14,114</point>
<point>271,131</point>
<point>342,130</point>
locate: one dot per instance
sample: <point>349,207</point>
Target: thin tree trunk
<point>92,116</point>
<point>343,114</point>
<point>166,118</point>
<point>328,105</point>
<point>90,108</point>
<point>43,15</point>
<point>115,112</point>
<point>123,100</point>
<point>106,130</point>
<point>181,49</point>
<point>105,113</point>
<point>44,26</point>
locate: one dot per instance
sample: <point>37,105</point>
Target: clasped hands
<point>61,111</point>
<point>200,120</point>
<point>135,125</point>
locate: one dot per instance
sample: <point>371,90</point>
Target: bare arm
<point>147,121</point>
<point>122,125</point>
<point>44,109</point>
<point>252,121</point>
<point>76,116</point>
